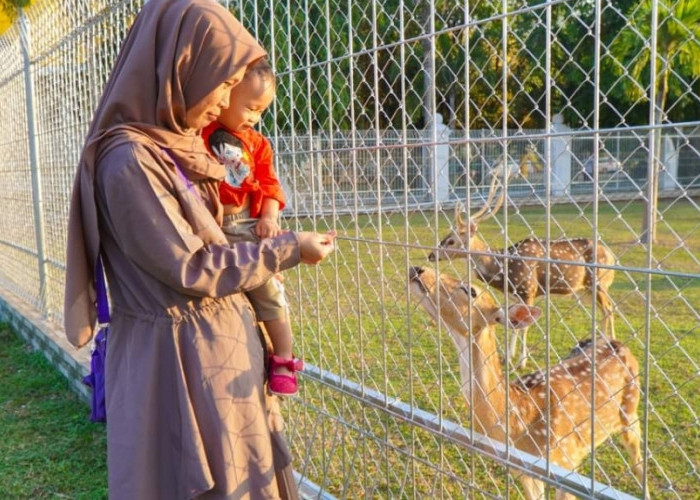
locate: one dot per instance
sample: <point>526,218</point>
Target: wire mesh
<point>391,115</point>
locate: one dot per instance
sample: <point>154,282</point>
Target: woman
<point>187,415</point>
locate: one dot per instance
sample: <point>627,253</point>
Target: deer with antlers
<point>545,415</point>
<point>528,275</point>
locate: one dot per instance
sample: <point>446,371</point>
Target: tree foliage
<point>10,7</point>
<point>9,10</point>
<point>376,65</point>
<point>665,70</point>
<point>677,61</point>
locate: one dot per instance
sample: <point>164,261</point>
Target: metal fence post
<point>561,157</point>
<point>669,155</point>
<point>25,44</point>
<point>441,165</point>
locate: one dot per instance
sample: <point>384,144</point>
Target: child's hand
<point>267,228</point>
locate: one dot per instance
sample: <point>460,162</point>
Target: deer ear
<point>472,227</point>
<point>520,316</point>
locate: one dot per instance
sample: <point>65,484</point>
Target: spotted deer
<point>516,412</point>
<point>529,276</point>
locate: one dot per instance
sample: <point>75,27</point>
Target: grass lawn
<point>49,448</point>
<point>352,317</point>
<point>372,335</point>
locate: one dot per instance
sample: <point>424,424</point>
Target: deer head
<point>464,308</point>
<point>465,231</point>
<point>511,271</point>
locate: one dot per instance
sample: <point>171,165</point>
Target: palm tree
<point>677,63</point>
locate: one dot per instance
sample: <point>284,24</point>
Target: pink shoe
<point>283,384</point>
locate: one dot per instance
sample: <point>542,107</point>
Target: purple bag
<point>96,378</point>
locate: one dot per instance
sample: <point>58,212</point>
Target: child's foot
<point>282,379</point>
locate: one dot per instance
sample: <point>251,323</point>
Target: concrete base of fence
<point>49,339</point>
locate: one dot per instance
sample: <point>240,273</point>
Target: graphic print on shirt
<point>230,151</point>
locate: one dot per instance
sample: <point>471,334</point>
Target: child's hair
<point>263,69</point>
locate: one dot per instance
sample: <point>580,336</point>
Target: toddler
<point>253,197</point>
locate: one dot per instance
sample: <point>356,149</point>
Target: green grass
<point>49,448</point>
<point>352,317</point>
<point>372,335</point>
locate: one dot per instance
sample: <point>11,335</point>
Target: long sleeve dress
<point>187,412</point>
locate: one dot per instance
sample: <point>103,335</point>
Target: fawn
<point>470,316</point>
<point>528,278</point>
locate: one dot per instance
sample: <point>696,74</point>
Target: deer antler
<point>459,210</point>
<point>487,210</point>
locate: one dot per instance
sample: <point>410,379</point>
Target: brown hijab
<point>176,53</point>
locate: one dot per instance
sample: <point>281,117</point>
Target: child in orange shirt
<point>253,197</point>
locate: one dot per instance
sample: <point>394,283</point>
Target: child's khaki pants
<point>268,299</point>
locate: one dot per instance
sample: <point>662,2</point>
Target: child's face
<point>249,99</point>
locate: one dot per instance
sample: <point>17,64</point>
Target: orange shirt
<point>249,163</point>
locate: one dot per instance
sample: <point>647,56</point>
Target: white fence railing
<point>367,167</point>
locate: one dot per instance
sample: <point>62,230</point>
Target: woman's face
<point>208,109</point>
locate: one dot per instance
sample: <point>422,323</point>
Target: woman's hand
<point>314,247</point>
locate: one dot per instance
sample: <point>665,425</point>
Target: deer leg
<point>606,309</point>
<point>513,344</point>
<point>524,353</point>
<point>534,489</point>
<point>563,495</point>
<point>631,441</point>
<point>631,432</point>
<point>522,358</point>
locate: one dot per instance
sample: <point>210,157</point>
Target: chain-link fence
<point>389,114</point>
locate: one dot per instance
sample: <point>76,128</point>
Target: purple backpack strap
<point>190,185</point>
<point>101,289</point>
<point>96,378</point>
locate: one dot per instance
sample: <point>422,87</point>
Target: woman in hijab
<point>187,414</point>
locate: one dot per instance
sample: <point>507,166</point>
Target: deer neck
<point>487,385</point>
<point>463,346</point>
<point>487,266</point>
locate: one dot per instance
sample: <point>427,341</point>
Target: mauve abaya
<point>187,413</point>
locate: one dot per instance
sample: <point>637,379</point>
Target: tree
<point>9,10</point>
<point>344,65</point>
<point>677,63</point>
